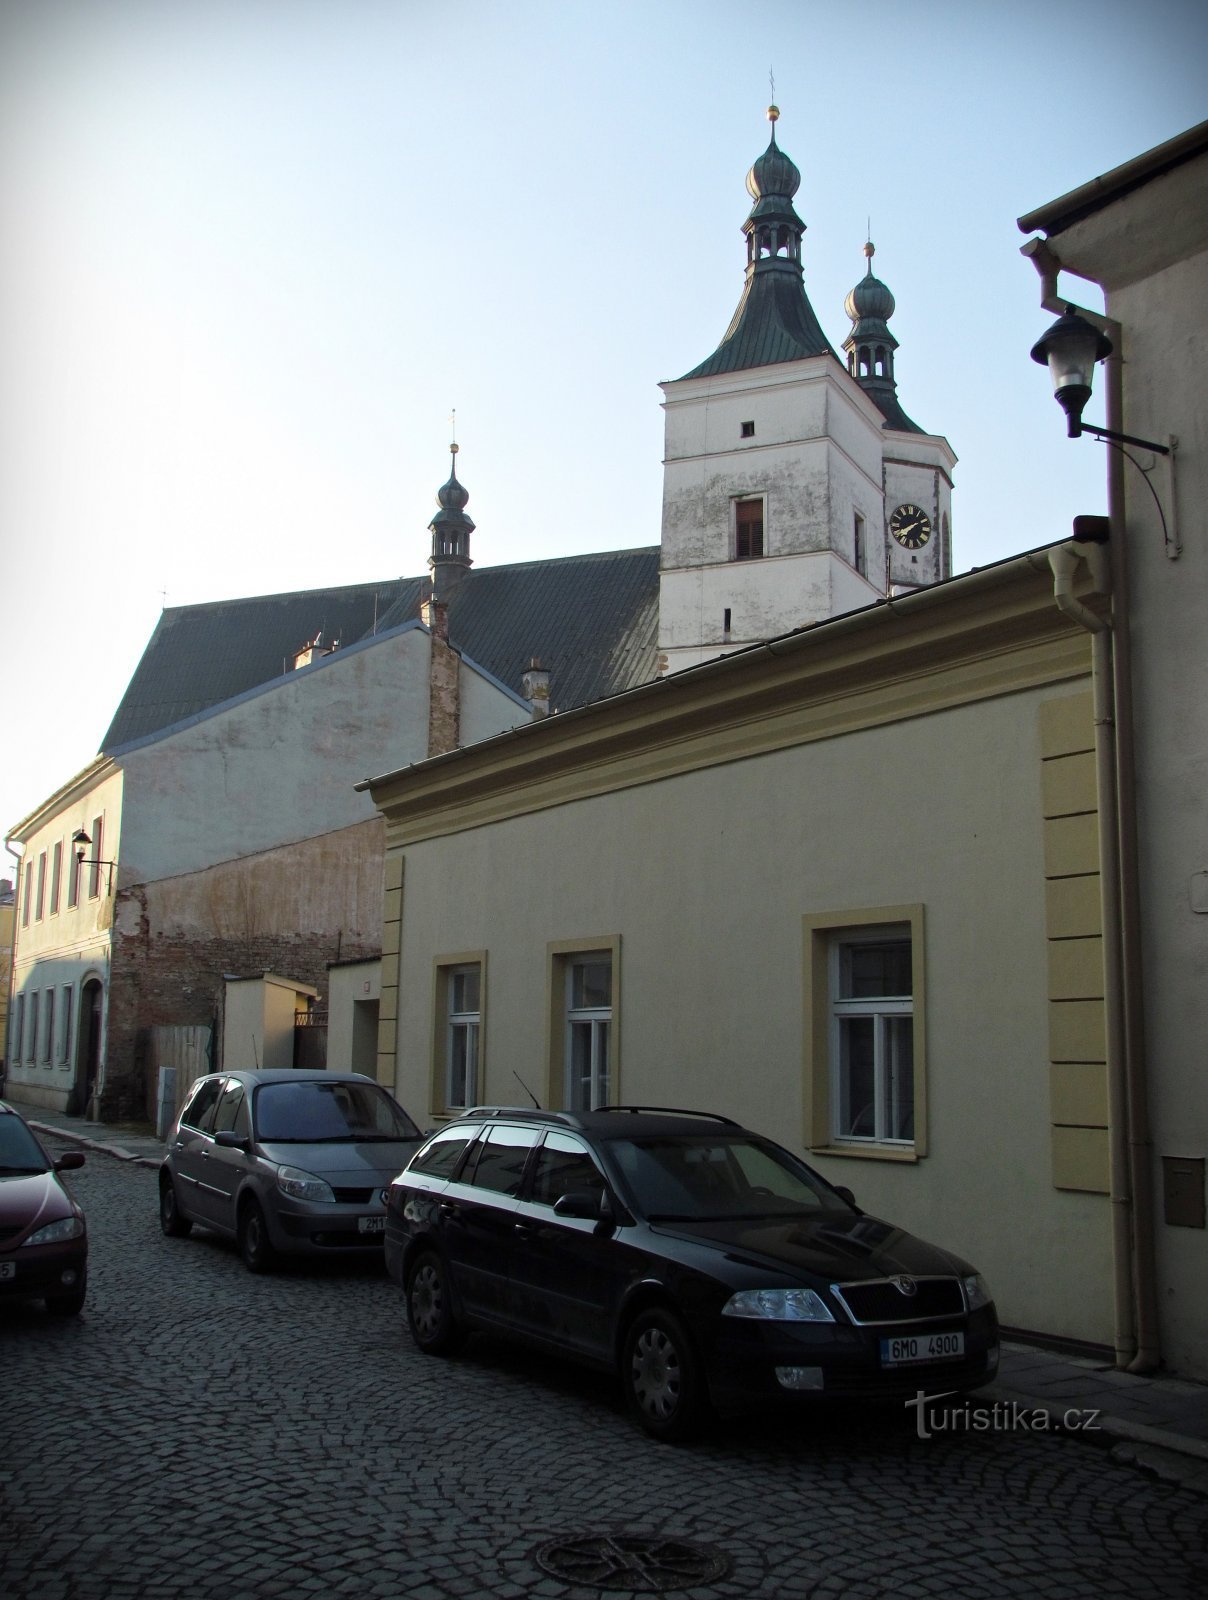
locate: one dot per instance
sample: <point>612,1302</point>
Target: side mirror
<point>69,1161</point>
<point>845,1193</point>
<point>228,1139</point>
<point>583,1203</point>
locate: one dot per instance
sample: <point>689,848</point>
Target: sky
<point>255,253</point>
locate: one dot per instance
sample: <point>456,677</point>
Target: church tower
<point>776,460</point>
<point>451,528</point>
<point>917,471</point>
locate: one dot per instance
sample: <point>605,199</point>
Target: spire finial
<point>453,427</point>
<point>773,109</point>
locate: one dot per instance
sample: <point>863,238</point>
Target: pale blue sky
<point>252,252</point>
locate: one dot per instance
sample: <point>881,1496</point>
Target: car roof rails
<point>673,1111</point>
<point>533,1114</point>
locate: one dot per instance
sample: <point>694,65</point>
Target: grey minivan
<point>288,1162</point>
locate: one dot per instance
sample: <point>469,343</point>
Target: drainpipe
<point>1132,1155</point>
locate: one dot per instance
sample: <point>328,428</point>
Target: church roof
<point>774,322</point>
<point>591,619</point>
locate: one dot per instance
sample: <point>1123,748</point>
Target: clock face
<point>910,526</point>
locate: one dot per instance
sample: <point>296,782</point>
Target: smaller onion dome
<point>870,298</point>
<point>452,496</point>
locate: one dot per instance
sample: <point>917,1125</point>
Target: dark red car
<point>43,1238</point>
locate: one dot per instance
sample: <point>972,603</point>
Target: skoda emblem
<point>905,1285</point>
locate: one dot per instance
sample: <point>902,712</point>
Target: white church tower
<point>794,487</point>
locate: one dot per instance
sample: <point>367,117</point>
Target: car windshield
<point>313,1112</point>
<point>704,1177</point>
<point>20,1153</point>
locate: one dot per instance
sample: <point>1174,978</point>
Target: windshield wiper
<point>22,1172</point>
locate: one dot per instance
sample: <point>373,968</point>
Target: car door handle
<point>447,1208</point>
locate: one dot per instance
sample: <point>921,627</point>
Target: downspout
<point>1131,1144</point>
<point>1064,560</point>
<point>1140,1144</point>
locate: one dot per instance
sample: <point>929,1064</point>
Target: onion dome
<point>451,528</point>
<point>870,346</point>
<point>773,173</point>
<point>774,321</point>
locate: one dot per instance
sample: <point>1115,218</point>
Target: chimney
<point>434,614</point>
<point>535,685</point>
<point>444,686</point>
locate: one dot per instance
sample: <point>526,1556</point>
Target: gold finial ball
<point>870,249</point>
<point>454,447</point>
<point>773,113</point>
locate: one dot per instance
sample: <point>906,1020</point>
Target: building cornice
<point>74,789</point>
<point>988,633</point>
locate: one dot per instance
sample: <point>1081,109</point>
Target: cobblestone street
<point>203,1434</point>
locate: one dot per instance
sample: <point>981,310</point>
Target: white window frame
<point>444,1022</point>
<point>883,1011</point>
<point>598,1021</point>
<point>466,1026</point>
<point>824,935</point>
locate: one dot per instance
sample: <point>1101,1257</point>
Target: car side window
<point>564,1166</point>
<point>439,1157</point>
<point>200,1109</point>
<point>231,1115</point>
<point>501,1159</point>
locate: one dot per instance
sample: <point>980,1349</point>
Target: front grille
<point>353,1197</point>
<point>882,1301</point>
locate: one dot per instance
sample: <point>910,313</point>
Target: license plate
<point>8,1269</point>
<point>922,1347</point>
<point>371,1224</point>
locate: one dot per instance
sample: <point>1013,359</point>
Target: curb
<point>52,1131</point>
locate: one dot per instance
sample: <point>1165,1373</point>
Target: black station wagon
<point>703,1263</point>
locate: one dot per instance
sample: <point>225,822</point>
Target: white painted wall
<point>706,878</point>
<point>280,764</point>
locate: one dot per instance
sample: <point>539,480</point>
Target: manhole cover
<point>632,1562</point>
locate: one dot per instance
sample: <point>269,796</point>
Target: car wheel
<point>429,1313</point>
<point>170,1220</point>
<point>255,1246</point>
<point>71,1302</point>
<point>662,1377</point>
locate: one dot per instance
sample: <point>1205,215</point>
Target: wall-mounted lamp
<point>1071,349</point>
<point>82,842</point>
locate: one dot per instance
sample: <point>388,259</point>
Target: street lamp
<point>82,842</point>
<point>1071,349</point>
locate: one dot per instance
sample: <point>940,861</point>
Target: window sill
<point>871,1152</point>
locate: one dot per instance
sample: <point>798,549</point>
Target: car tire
<point>171,1222</point>
<point>71,1301</point>
<point>661,1376</point>
<point>255,1246</point>
<point>429,1313</point>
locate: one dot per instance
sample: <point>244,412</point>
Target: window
<point>56,878</point>
<point>564,1166</point>
<point>461,1043</point>
<point>201,1107</point>
<point>94,871</point>
<point>31,1043</point>
<point>859,554</point>
<point>588,1027</point>
<point>502,1157</point>
<point>41,901</point>
<point>73,880</point>
<point>231,1115</point>
<point>18,1027</point>
<point>748,430</point>
<point>48,1024</point>
<point>440,1157</point>
<point>748,529</point>
<point>865,1035</point>
<point>65,1026</point>
<point>457,1034</point>
<point>27,868</point>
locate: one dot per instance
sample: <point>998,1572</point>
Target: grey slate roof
<point>774,322</point>
<point>593,620</point>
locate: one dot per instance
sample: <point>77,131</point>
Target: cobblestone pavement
<point>201,1434</point>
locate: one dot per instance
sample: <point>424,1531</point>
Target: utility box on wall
<point>1183,1191</point>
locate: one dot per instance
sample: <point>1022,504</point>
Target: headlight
<point>777,1305</point>
<point>977,1291</point>
<point>57,1232</point>
<point>299,1185</point>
